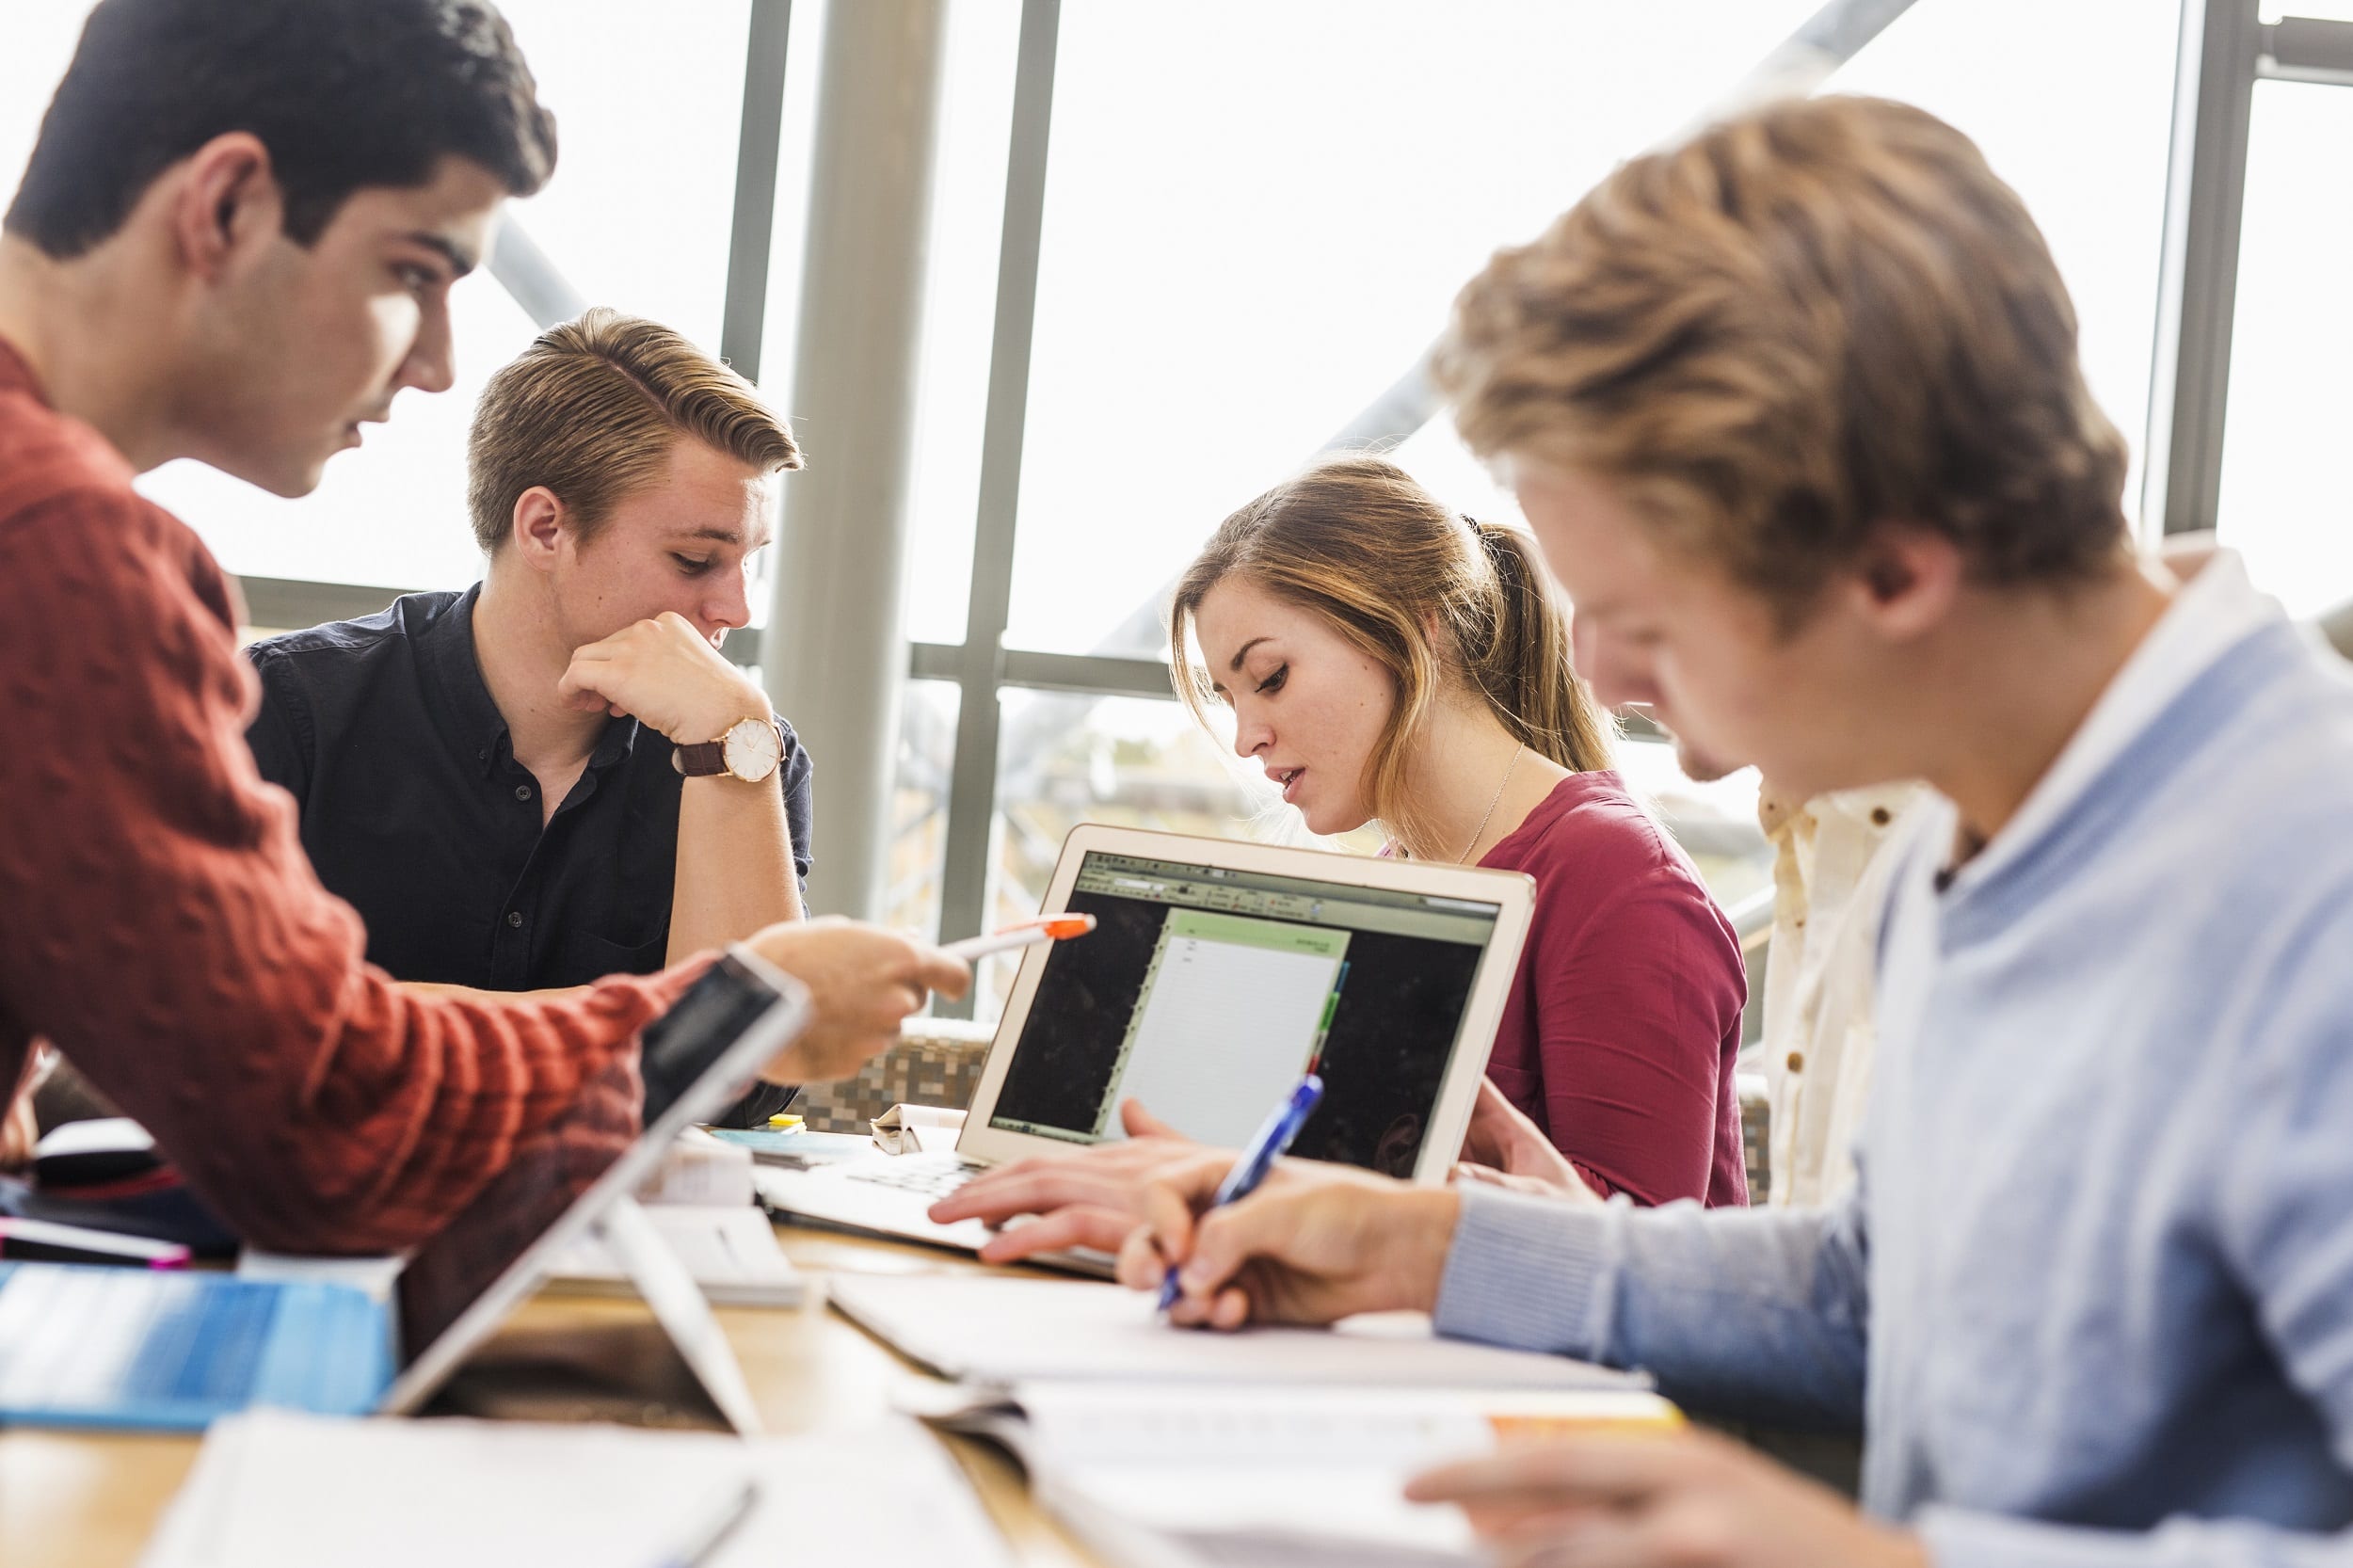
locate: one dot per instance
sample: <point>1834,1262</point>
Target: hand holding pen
<point>1314,1242</point>
<point>1274,1135</point>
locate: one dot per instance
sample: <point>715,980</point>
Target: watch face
<point>753,750</point>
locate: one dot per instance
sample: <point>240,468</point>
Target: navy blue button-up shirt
<point>415,812</point>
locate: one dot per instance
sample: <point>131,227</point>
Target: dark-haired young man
<point>236,241</point>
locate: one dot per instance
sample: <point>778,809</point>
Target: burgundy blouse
<point>1619,1034</point>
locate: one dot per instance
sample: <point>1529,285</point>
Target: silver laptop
<point>1216,974</point>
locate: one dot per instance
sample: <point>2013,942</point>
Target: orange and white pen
<point>1047,928</point>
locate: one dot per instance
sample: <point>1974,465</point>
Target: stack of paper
<point>273,1488</point>
<point>1169,1448</point>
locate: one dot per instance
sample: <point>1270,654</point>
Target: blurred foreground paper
<point>272,1488</point>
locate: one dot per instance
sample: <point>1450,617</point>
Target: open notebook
<point>1173,1449</point>
<point>1157,1475</point>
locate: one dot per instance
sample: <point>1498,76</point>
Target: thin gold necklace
<point>1492,803</point>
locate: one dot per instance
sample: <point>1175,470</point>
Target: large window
<point>1254,219</point>
<point>2284,503</point>
<point>960,290</point>
<point>35,43</point>
<point>1257,216</point>
<point>2072,104</point>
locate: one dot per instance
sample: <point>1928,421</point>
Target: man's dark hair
<point>345,95</point>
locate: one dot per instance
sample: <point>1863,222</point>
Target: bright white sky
<point>1258,214</point>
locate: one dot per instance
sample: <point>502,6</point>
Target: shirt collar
<point>2212,613</point>
<point>447,648</point>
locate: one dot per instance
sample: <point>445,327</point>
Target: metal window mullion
<point>2307,49</point>
<point>972,781</point>
<point>1084,674</point>
<point>743,320</point>
<point>2198,286</point>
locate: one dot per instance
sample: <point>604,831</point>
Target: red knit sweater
<point>160,924</point>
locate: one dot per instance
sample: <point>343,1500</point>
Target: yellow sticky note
<point>784,1122</point>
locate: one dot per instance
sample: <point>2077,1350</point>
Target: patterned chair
<point>936,1062</point>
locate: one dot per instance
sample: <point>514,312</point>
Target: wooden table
<point>71,1500</point>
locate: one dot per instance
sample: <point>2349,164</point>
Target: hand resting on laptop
<point>1090,1197</point>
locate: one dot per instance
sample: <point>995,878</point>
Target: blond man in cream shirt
<point>1829,885</point>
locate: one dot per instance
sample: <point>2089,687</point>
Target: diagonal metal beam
<point>1798,64</point>
<point>526,272</point>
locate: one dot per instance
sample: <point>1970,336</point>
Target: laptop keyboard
<point>932,1176</point>
<point>95,1337</point>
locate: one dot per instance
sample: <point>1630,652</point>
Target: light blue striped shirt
<point>2093,1303</point>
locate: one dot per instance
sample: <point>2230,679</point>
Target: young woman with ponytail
<point>1389,661</point>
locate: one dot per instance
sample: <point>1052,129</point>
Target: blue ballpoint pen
<point>1274,1135</point>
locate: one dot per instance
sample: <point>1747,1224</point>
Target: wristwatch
<point>750,750</point>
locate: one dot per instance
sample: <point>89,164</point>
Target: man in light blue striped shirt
<point>1797,414</point>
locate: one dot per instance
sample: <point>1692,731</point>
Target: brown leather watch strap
<point>702,760</point>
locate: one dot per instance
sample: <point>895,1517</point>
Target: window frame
<point>2225,48</point>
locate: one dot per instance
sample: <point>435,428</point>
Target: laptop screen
<point>1205,991</point>
<point>550,1171</point>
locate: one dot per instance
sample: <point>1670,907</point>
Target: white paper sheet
<point>275,1488</point>
<point>995,1329</point>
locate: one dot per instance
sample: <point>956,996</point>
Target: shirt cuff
<point>1526,1272</point>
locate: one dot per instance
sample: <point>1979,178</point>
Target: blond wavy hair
<point>1439,601</point>
<point>1808,321</point>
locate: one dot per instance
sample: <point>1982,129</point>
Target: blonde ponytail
<point>1521,664</point>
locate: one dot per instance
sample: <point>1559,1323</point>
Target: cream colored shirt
<point>1830,886</point>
